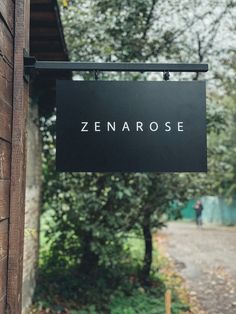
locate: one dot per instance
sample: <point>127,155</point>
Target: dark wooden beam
<point>43,16</point>
<point>45,46</point>
<point>41,2</point>
<point>18,160</point>
<point>56,56</point>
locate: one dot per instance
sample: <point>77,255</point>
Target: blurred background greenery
<point>97,253</point>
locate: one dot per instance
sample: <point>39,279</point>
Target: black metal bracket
<point>26,59</point>
<point>166,75</point>
<point>96,75</point>
<point>31,65</point>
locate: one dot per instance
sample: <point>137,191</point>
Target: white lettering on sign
<point>153,126</point>
<point>84,124</point>
<point>97,126</point>
<point>180,127</point>
<point>139,126</point>
<point>125,127</point>
<point>168,127</point>
<point>112,126</point>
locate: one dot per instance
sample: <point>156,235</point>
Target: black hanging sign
<point>131,126</point>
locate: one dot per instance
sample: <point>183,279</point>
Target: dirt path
<point>206,259</point>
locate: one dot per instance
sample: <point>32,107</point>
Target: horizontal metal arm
<point>32,64</point>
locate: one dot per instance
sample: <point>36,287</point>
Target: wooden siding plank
<point>43,16</point>
<point>45,46</point>
<point>6,77</point>
<point>27,17</point>
<point>2,304</point>
<point>7,12</point>
<point>42,32</point>
<point>4,199</point>
<point>38,23</point>
<point>6,43</point>
<point>18,162</point>
<point>5,159</point>
<point>3,263</point>
<point>41,1</point>
<point>3,281</point>
<point>41,7</point>
<point>3,238</point>
<point>5,120</point>
<point>51,56</point>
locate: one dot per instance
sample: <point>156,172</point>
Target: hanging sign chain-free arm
<point>31,65</point>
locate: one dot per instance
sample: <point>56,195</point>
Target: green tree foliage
<point>91,213</point>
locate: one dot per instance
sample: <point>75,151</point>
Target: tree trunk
<point>147,262</point>
<point>89,260</point>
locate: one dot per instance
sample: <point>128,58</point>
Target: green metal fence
<point>216,211</point>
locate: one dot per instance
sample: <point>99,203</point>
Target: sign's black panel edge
<point>71,95</point>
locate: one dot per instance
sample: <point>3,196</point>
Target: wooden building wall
<point>14,99</point>
<point>6,94</point>
<point>13,107</point>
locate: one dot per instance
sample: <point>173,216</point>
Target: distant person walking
<point>198,207</point>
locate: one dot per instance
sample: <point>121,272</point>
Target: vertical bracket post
<point>166,75</point>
